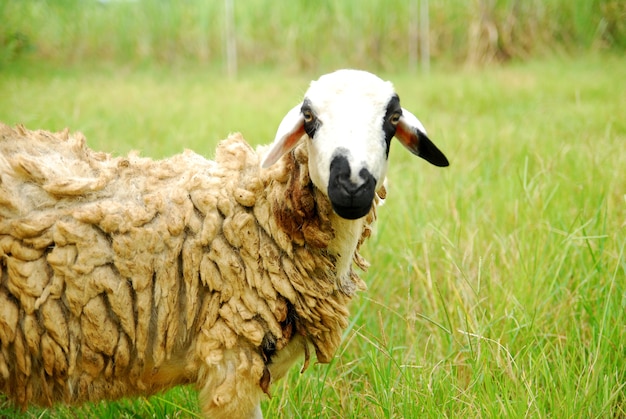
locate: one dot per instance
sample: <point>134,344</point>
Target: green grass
<point>302,35</point>
<point>497,286</point>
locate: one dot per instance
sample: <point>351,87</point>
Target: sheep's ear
<point>289,132</point>
<point>412,135</point>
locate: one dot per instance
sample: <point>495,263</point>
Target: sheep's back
<point>94,288</point>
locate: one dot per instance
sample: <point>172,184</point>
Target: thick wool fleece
<point>123,276</point>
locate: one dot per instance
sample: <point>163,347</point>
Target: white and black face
<point>348,119</point>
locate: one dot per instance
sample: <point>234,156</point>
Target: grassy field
<point>301,35</point>
<point>497,286</point>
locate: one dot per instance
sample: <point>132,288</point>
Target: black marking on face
<point>311,123</point>
<point>350,201</point>
<point>393,112</point>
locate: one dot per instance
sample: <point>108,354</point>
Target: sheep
<point>125,276</point>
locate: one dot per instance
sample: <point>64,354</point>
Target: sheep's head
<point>348,119</point>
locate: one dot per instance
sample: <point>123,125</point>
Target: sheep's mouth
<point>351,212</point>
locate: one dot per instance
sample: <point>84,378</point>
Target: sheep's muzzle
<point>350,200</point>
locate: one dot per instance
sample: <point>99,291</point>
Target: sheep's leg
<point>231,388</point>
<point>258,414</point>
<point>244,403</point>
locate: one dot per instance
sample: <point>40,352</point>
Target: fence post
<point>419,35</point>
<point>413,34</point>
<point>230,39</point>
<point>424,36</point>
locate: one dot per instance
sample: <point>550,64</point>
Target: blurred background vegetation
<point>297,35</point>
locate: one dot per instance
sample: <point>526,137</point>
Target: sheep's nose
<point>350,200</point>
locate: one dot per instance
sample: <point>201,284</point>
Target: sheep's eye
<point>308,115</point>
<point>395,118</point>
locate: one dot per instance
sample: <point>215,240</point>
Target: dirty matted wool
<point>125,275</point>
